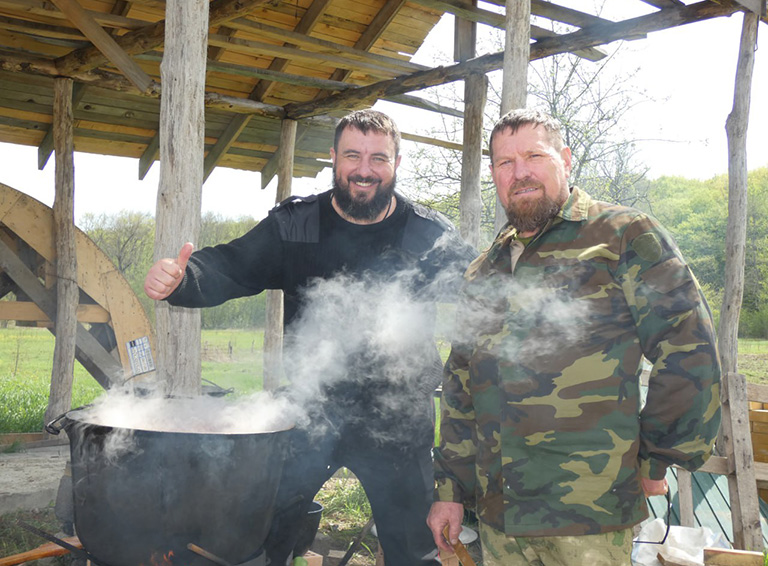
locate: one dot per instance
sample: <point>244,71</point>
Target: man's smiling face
<point>531,176</point>
<point>364,166</point>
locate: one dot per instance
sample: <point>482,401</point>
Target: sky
<point>688,73</point>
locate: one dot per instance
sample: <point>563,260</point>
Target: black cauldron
<point>160,491</point>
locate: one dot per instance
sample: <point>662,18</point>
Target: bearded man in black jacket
<point>374,417</point>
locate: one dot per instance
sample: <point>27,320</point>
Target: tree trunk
<point>67,292</point>
<point>273,333</point>
<point>736,233</point>
<point>517,52</point>
<point>182,128</point>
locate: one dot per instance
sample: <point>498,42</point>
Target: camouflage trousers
<point>608,549</point>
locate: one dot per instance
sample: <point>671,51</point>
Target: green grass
<point>26,356</point>
<point>230,359</point>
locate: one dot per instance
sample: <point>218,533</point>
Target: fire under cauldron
<point>141,497</point>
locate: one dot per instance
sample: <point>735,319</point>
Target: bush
<point>753,324</point>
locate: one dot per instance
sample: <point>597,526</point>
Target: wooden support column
<point>685,497</point>
<point>67,292</point>
<point>470,201</point>
<point>517,52</point>
<point>475,94</point>
<point>742,486</point>
<point>736,234</point>
<point>273,333</point>
<point>182,128</point>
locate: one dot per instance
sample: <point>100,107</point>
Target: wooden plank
<point>105,43</point>
<point>150,37</point>
<point>29,312</point>
<point>320,46</point>
<point>711,493</point>
<point>273,333</point>
<point>731,557</point>
<point>102,366</point>
<point>128,324</point>
<point>685,497</point>
<point>757,392</point>
<point>595,35</point>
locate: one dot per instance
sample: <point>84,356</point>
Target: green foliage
<point>127,238</point>
<point>696,213</point>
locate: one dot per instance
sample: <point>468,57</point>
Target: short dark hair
<point>515,119</point>
<point>368,121</point>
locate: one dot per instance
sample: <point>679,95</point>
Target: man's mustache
<point>526,183</point>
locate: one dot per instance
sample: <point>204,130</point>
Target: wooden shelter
<point>267,59</point>
<point>88,75</point>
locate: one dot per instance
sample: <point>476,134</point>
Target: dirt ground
<point>30,479</point>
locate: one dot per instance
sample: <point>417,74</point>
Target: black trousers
<point>397,481</point>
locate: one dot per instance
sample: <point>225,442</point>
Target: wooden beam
<point>226,139</point>
<point>150,37</point>
<point>104,43</point>
<point>46,9</point>
<point>323,46</point>
<point>470,13</point>
<point>273,333</point>
<point>371,34</point>
<point>662,4</point>
<point>27,311</point>
<point>293,53</point>
<point>269,170</point>
<point>45,149</point>
<point>262,88</point>
<point>149,156</point>
<point>587,37</point>
<point>100,363</point>
<point>550,11</point>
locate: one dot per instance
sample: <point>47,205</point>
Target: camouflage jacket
<point>542,426</point>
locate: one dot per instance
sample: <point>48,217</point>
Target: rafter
<point>586,37</point>
<point>149,37</point>
<point>260,91</point>
<point>474,14</point>
<point>104,42</point>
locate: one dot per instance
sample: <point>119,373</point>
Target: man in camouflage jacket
<point>543,429</point>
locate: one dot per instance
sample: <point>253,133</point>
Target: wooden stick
<point>460,550</point>
<point>43,551</point>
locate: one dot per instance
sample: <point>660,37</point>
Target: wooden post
<point>67,291</point>
<point>742,486</point>
<point>182,128</point>
<point>736,234</point>
<point>273,333</point>
<point>470,201</point>
<point>475,94</point>
<point>685,497</point>
<point>517,52</point>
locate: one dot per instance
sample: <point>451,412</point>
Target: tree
<point>125,237</point>
<point>590,100</point>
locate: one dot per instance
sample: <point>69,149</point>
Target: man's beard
<point>362,209</point>
<point>529,215</point>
